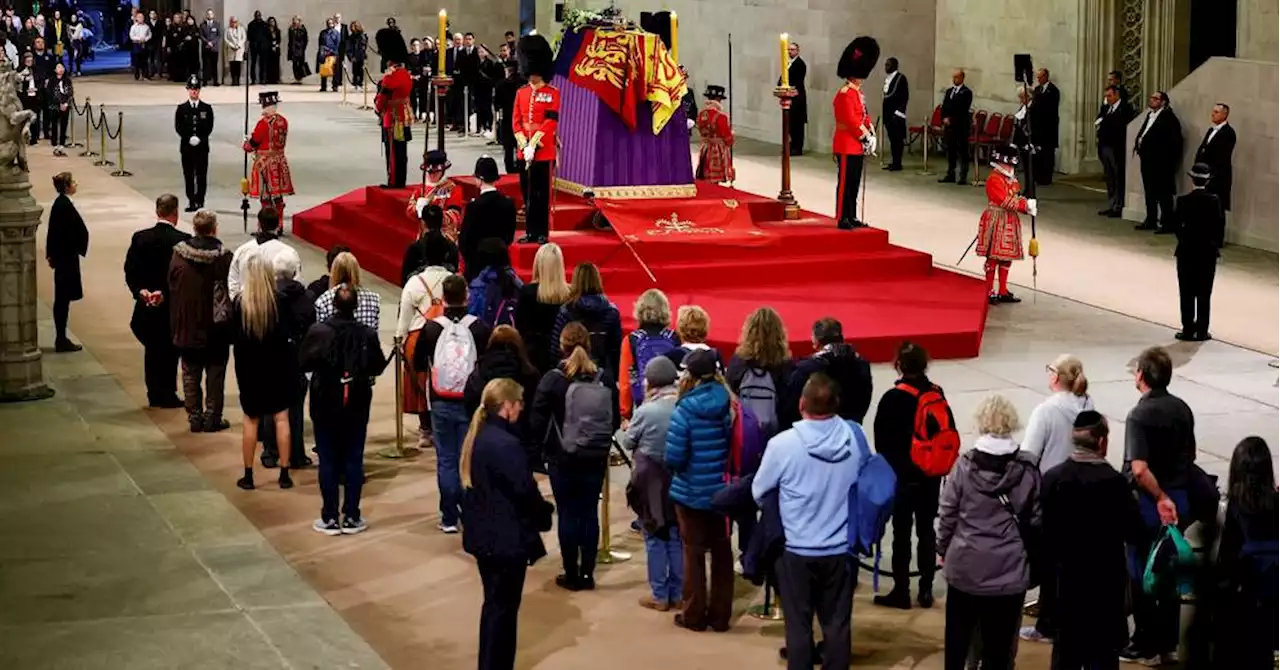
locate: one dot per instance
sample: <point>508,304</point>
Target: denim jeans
<point>577,486</point>
<point>341,449</point>
<point>666,565</point>
<point>449,422</point>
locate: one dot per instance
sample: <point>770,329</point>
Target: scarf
<point>1081,455</point>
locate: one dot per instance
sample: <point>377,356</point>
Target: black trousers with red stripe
<point>850,179</point>
<point>537,213</point>
<point>396,153</point>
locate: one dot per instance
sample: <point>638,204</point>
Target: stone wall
<point>822,27</point>
<point>1256,28</point>
<point>981,36</point>
<point>1250,87</point>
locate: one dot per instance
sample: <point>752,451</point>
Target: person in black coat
<point>431,247</point>
<point>146,272</point>
<point>896,94</point>
<point>31,90</point>
<point>1200,225</point>
<point>259,48</point>
<point>1159,145</point>
<point>505,515</point>
<point>840,361</point>
<point>957,116</point>
<point>506,356</point>
<point>1111,124</point>
<point>59,95</point>
<point>1215,150</point>
<point>193,121</point>
<point>504,98</point>
<point>1043,111</point>
<point>491,214</point>
<point>291,297</point>
<point>67,241</point>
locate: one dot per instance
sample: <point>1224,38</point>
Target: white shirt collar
<point>485,188</point>
<point>1151,115</point>
<point>888,80</point>
<point>1218,126</point>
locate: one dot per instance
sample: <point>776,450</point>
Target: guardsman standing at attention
<point>394,108</point>
<point>537,112</point>
<point>269,177</point>
<point>193,122</point>
<point>854,135</point>
<point>715,155</point>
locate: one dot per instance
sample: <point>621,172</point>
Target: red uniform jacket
<point>715,161</point>
<point>851,117</point>
<point>267,144</point>
<point>392,101</point>
<point>447,196</point>
<point>534,120</point>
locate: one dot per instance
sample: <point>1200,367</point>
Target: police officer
<point>193,122</point>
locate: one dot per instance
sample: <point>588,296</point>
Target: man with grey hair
<point>297,307</point>
<point>200,318</point>
<point>840,361</point>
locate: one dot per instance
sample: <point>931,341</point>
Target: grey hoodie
<point>1048,437</point>
<point>978,535</point>
<point>648,429</point>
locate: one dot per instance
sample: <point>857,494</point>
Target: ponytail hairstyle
<point>1070,373</point>
<point>496,393</point>
<point>575,346</point>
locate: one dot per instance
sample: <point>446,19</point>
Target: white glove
<point>1031,206</point>
<point>527,152</point>
<point>194,141</point>
<point>419,205</point>
<point>869,145</point>
<point>690,124</point>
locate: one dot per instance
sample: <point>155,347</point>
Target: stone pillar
<point>1098,39</point>
<point>21,377</point>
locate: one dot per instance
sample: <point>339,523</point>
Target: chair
<point>988,136</point>
<point>1006,129</point>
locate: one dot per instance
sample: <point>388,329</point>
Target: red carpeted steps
<point>882,293</point>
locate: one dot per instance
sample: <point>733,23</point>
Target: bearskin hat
<point>859,59</point>
<point>392,47</point>
<point>535,57</point>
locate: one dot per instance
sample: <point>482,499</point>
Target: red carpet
<point>805,269</point>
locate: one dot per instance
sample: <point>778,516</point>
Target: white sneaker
<point>448,530</point>
<point>488,134</point>
<point>330,528</point>
<point>737,566</point>
<point>1030,634</point>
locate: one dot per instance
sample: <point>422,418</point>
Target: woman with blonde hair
<point>1048,436</point>
<point>577,473</point>
<point>505,515</point>
<point>266,364</point>
<point>760,367</point>
<point>345,270</point>
<point>988,518</point>
<point>589,306</point>
<point>539,303</point>
<point>652,337</point>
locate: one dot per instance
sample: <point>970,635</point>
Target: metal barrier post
<point>606,555</point>
<point>769,611</point>
<point>398,449</point>
<point>71,127</point>
<point>364,89</point>
<point>347,80</point>
<point>88,129</point>
<point>120,171</point>
<point>924,148</point>
<point>102,138</point>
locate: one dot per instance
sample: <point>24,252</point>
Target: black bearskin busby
<point>535,57</point>
<point>392,47</point>
<point>859,59</point>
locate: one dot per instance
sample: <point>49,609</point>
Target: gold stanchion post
<point>345,82</point>
<point>102,138</point>
<point>607,555</point>
<point>120,171</point>
<point>364,90</point>
<point>924,148</point>
<point>769,610</point>
<point>88,129</point>
<point>399,450</point>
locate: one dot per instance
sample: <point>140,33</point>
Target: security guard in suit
<point>1201,228</point>
<point>193,122</point>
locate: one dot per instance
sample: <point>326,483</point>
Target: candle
<point>675,38</point>
<point>783,39</point>
<point>441,46</point>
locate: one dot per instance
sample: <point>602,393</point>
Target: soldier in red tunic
<point>393,107</point>
<point>1000,229</point>
<point>715,158</point>
<point>534,119</point>
<point>438,190</point>
<point>855,130</point>
<point>269,177</point>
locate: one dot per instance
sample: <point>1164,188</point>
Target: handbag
<point>306,69</point>
<point>1179,563</point>
<point>326,68</point>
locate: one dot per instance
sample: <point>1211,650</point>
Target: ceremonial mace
<point>731,99</point>
<point>244,179</point>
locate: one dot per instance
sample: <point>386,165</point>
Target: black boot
<point>898,598</point>
<point>569,580</point>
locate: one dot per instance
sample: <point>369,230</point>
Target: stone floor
<point>129,545</point>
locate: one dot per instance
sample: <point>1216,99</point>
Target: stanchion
<point>399,450</point>
<point>88,129</point>
<point>71,124</point>
<point>924,149</point>
<point>364,90</point>
<point>102,138</point>
<point>345,81</point>
<point>606,555</point>
<point>769,610</point>
<point>120,171</point>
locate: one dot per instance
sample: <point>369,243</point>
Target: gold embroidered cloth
<point>624,69</point>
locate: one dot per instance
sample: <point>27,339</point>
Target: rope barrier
<point>88,129</point>
<point>364,85</point>
<point>102,125</point>
<point>119,137</point>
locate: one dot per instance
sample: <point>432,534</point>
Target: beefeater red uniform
<point>444,194</point>
<point>267,144</point>
<point>534,121</point>
<point>396,114</point>
<point>715,160</point>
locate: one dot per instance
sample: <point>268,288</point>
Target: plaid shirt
<point>368,306</point>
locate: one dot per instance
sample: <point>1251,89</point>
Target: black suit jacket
<point>958,106</point>
<point>1161,143</point>
<point>1201,225</point>
<point>146,266</point>
<point>198,122</point>
<point>491,214</point>
<point>1217,155</point>
<point>1113,126</point>
<point>468,66</point>
<point>1043,114</point>
<point>796,73</point>
<point>896,99</point>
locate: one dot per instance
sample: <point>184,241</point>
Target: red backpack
<point>933,452</point>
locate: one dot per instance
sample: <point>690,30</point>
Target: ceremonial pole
<point>785,93</point>
<point>244,179</point>
<point>731,97</point>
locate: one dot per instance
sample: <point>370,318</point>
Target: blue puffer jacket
<point>698,445</point>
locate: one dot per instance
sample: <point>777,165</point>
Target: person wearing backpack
<point>575,415</point>
<point>760,368</point>
<point>697,455</point>
<point>838,360</point>
<point>343,357</point>
<point>653,337</point>
<point>496,288</point>
<point>589,306</point>
<point>421,300</point>
<point>1246,565</point>
<point>448,348</point>
<point>813,466</point>
<point>988,524</point>
<point>911,416</point>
